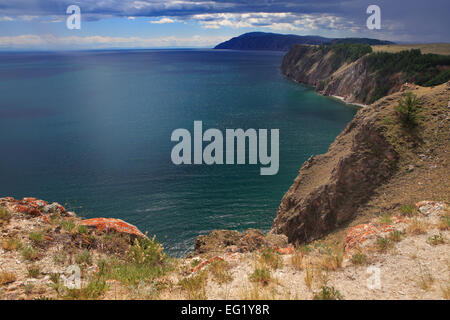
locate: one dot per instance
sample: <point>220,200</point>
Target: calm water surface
<point>91,130</point>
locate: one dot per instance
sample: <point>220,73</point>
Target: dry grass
<point>256,292</point>
<point>5,216</point>
<point>271,258</point>
<point>437,48</point>
<point>425,278</point>
<point>6,277</point>
<point>195,286</point>
<point>297,260</point>
<point>445,288</point>
<point>417,227</point>
<point>261,274</point>
<point>11,244</point>
<point>220,270</point>
<point>444,223</point>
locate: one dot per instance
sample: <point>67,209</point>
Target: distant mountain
<point>283,42</point>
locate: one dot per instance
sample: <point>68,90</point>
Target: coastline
<point>342,99</point>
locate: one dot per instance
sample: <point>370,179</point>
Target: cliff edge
<point>359,75</point>
<point>376,164</point>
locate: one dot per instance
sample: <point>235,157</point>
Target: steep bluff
<point>354,72</point>
<point>331,188</point>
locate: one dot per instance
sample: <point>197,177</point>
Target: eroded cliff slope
<point>375,151</point>
<point>354,72</point>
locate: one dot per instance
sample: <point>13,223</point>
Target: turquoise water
<point>91,130</point>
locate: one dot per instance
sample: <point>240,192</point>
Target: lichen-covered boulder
<point>108,224</point>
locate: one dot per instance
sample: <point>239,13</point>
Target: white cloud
<point>49,41</point>
<point>6,18</point>
<point>162,21</point>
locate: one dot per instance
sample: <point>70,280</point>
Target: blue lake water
<point>91,130</point>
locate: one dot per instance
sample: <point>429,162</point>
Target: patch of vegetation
<point>67,225</point>
<point>425,280</point>
<point>220,270</point>
<point>5,216</point>
<point>408,210</point>
<point>11,244</point>
<point>82,229</point>
<point>436,239</point>
<point>417,227</point>
<point>37,237</point>
<point>6,278</point>
<point>328,293</point>
<point>33,271</point>
<point>84,257</point>
<point>195,263</point>
<point>359,258</point>
<point>29,253</point>
<point>345,52</point>
<point>60,257</point>
<point>94,289</point>
<point>396,235</point>
<point>297,260</point>
<point>385,219</point>
<point>383,243</point>
<point>408,110</point>
<point>309,275</point>
<point>195,286</point>
<point>422,69</point>
<point>261,274</point>
<point>271,258</point>
<point>144,262</point>
<point>444,223</point>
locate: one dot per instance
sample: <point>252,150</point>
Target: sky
<point>41,24</point>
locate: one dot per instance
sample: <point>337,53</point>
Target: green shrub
<point>409,109</point>
<point>408,210</point>
<point>84,257</point>
<point>359,258</point>
<point>436,239</point>
<point>328,293</point>
<point>68,225</point>
<point>29,253</point>
<point>261,274</point>
<point>36,237</point>
<point>271,258</point>
<point>82,229</point>
<point>33,271</point>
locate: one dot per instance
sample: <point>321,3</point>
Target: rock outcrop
<point>359,76</point>
<point>330,187</point>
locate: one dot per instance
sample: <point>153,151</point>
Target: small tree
<point>409,109</point>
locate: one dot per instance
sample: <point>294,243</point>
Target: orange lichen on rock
<point>359,234</point>
<point>205,263</point>
<point>106,224</point>
<point>287,250</point>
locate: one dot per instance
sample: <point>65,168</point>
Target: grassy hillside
<point>436,48</point>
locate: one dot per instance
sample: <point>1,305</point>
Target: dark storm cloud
<point>402,19</point>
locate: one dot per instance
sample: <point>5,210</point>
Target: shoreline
<point>342,99</point>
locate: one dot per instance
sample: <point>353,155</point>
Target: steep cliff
<point>333,188</point>
<point>353,72</point>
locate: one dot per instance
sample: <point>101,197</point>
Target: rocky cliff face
<point>330,74</point>
<point>331,188</point>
